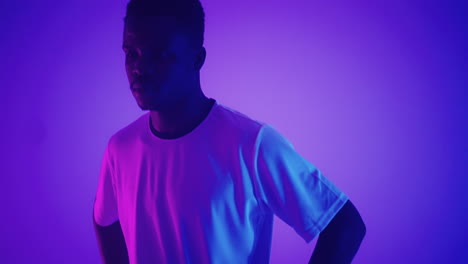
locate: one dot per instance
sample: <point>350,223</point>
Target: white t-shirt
<point>210,196</point>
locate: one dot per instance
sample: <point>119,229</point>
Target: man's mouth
<point>144,89</point>
<point>138,90</point>
<point>137,86</point>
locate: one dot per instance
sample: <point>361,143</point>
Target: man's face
<point>159,61</point>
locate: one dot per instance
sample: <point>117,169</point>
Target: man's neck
<point>181,119</point>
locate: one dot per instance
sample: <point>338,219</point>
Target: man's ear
<point>200,58</point>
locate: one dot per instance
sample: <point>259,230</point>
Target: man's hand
<point>340,240</point>
<point>111,243</point>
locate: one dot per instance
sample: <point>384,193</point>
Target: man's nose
<point>142,67</point>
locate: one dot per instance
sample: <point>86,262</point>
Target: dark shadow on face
<point>159,61</point>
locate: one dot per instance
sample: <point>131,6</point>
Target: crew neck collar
<point>153,136</point>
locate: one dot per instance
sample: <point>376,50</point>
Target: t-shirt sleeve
<point>293,188</point>
<point>105,204</point>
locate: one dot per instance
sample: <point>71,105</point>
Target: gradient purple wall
<point>372,93</point>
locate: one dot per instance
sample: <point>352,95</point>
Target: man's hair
<point>189,14</point>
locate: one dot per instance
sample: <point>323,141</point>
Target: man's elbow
<point>363,228</point>
<point>356,222</point>
<point>360,230</point>
<point>347,221</point>
<point>359,224</point>
<point>343,234</point>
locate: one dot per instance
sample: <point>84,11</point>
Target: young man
<point>193,181</point>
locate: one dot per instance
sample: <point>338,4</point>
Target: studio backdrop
<point>374,93</point>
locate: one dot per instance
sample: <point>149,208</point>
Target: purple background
<point>372,93</point>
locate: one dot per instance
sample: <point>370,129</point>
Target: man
<point>193,181</point>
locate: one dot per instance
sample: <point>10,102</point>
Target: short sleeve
<point>105,204</point>
<point>292,187</point>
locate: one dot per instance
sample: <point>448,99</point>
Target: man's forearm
<point>111,243</point>
<point>339,242</point>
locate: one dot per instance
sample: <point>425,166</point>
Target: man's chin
<point>144,106</point>
<point>149,107</point>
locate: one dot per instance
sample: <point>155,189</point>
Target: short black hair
<point>189,14</point>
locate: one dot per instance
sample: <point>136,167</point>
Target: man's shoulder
<point>131,131</point>
<point>239,121</point>
<point>260,132</point>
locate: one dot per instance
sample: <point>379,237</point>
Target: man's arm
<point>340,240</point>
<point>111,243</point>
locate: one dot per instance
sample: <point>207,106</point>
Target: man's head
<point>163,45</point>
